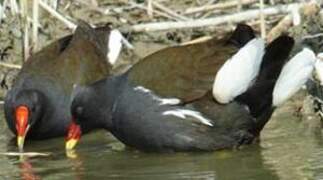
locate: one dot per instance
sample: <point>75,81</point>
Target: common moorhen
<point>170,101</point>
<point>38,104</point>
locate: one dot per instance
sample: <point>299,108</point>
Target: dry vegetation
<point>27,26</point>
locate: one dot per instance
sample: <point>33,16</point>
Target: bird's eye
<point>79,110</point>
<point>33,108</point>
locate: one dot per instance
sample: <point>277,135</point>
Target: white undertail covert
<point>293,76</point>
<point>238,73</point>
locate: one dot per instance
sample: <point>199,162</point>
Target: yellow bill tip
<point>71,154</point>
<point>20,142</point>
<point>70,144</point>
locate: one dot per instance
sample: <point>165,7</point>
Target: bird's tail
<point>293,76</point>
<point>260,97</point>
<point>107,40</point>
<point>241,35</point>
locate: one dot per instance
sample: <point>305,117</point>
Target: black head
<point>88,113</point>
<point>33,100</point>
<point>25,109</point>
<point>89,108</point>
<point>81,108</point>
<point>85,115</point>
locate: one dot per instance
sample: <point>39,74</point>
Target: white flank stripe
<point>169,101</point>
<point>140,88</point>
<point>182,113</point>
<point>293,76</point>
<point>114,45</point>
<point>162,101</point>
<point>238,73</point>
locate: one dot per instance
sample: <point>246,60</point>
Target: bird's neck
<point>112,90</point>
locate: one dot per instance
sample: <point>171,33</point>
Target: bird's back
<point>54,70</point>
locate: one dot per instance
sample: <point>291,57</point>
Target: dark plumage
<point>46,80</point>
<point>165,102</point>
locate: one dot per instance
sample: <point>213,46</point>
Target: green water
<point>286,151</point>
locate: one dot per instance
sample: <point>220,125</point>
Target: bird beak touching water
<point>73,135</point>
<point>22,125</point>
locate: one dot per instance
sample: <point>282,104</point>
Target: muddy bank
<point>122,14</point>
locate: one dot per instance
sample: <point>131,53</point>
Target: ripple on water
<point>285,152</point>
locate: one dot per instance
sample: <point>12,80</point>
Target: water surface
<point>286,151</point>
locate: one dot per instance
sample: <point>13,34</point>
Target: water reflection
<point>26,168</point>
<point>242,164</point>
<point>97,158</point>
<point>290,148</point>
<point>76,163</point>
<point>285,153</point>
<point>245,164</point>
